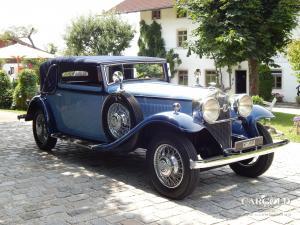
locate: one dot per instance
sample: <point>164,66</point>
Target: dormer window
<point>155,14</point>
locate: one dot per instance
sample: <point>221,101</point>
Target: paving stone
<point>72,185</point>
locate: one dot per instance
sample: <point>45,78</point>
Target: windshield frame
<point>163,64</point>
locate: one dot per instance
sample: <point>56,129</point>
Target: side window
<point>277,74</point>
<point>69,74</point>
<point>211,76</point>
<point>183,78</point>
<point>81,75</point>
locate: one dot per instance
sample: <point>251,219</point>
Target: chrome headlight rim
<point>240,104</point>
<point>205,117</point>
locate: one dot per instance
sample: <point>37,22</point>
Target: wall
<point>170,24</point>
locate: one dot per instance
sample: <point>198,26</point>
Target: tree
<point>265,82</point>
<point>234,31</point>
<point>26,88</point>
<point>98,35</point>
<point>174,61</point>
<point>294,56</point>
<point>5,90</point>
<point>52,48</point>
<point>15,33</point>
<point>152,44</point>
<point>150,41</point>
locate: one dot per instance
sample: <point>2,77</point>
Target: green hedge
<point>5,91</point>
<point>26,88</point>
<point>265,82</point>
<point>257,100</point>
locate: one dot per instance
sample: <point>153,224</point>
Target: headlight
<point>244,105</point>
<point>210,110</point>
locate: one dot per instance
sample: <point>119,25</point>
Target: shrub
<point>265,82</point>
<point>26,88</point>
<point>5,91</point>
<point>298,99</point>
<point>257,100</point>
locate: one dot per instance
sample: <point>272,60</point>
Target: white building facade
<point>178,28</point>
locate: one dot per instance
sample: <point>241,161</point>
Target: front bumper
<point>238,156</point>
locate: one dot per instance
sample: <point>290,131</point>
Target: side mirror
<point>118,78</point>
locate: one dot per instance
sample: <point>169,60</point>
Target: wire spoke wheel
<point>168,166</point>
<point>118,120</point>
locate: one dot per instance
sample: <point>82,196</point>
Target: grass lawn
<point>284,122</point>
<point>14,111</point>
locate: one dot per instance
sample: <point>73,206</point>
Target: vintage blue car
<point>119,104</point>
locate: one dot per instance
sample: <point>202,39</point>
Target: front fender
<point>178,121</point>
<point>248,128</point>
<point>257,114</point>
<point>37,103</point>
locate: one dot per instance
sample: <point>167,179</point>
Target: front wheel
<point>168,159</point>
<point>256,166</point>
<point>40,132</point>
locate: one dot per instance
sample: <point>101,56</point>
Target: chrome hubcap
<point>168,166</point>
<point>41,129</point>
<point>118,120</point>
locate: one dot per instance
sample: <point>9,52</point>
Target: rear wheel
<point>168,159</point>
<point>40,132</point>
<point>256,166</point>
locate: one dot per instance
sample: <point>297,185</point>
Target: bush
<point>257,100</point>
<point>265,82</point>
<point>298,99</point>
<point>26,88</point>
<point>5,90</point>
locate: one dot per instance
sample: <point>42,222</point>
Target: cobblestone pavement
<point>73,185</point>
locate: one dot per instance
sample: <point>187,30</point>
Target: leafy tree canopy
<point>294,56</point>
<point>15,33</point>
<point>98,35</point>
<point>152,44</point>
<point>234,31</point>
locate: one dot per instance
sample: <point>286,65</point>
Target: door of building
<point>240,81</point>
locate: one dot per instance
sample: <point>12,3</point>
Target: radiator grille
<point>222,131</point>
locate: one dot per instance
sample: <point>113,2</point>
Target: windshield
<point>138,71</point>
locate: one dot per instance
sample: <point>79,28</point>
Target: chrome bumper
<point>225,160</point>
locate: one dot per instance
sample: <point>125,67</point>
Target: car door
<point>78,101</point>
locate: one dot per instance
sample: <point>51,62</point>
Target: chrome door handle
<point>58,94</point>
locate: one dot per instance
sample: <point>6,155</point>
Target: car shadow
<point>219,193</point>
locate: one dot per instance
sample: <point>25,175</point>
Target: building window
<point>181,14</point>
<point>211,76</point>
<point>277,74</point>
<point>155,14</point>
<point>181,37</point>
<point>183,77</point>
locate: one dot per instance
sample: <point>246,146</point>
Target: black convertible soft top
<point>48,72</point>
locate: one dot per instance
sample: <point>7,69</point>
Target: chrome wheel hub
<point>168,166</point>
<point>118,120</point>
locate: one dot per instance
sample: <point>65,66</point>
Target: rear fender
<point>37,103</point>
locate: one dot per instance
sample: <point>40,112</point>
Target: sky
<point>51,18</point>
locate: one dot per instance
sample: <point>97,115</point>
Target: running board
<point>74,140</point>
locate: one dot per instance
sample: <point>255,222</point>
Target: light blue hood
<point>164,90</point>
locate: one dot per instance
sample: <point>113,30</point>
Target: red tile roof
<point>129,6</point>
